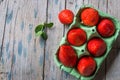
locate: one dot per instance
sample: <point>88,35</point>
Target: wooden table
<point>25,57</point>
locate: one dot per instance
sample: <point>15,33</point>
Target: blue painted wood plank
<point>20,46</point>
<point>28,55</point>
<point>51,71</point>
<point>9,15</point>
<point>112,62</point>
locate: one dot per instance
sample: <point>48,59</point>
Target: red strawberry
<point>89,16</point>
<point>96,47</point>
<point>86,65</point>
<point>66,16</point>
<point>67,56</point>
<point>76,36</point>
<point>106,28</point>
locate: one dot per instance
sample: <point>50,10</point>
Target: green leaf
<point>44,36</point>
<point>49,25</point>
<point>39,28</point>
<point>39,33</point>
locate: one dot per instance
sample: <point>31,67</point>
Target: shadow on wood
<point>101,73</point>
<point>118,42</point>
<point>107,64</point>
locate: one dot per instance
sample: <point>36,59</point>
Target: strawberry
<point>67,56</point>
<point>76,36</point>
<point>66,16</point>
<point>106,28</point>
<point>96,47</point>
<point>89,17</point>
<point>86,66</point>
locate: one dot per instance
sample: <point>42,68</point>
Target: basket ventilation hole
<point>82,50</point>
<point>93,30</point>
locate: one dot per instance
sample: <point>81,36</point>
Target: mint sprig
<point>49,25</point>
<point>40,30</point>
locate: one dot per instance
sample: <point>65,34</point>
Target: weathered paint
<point>47,56</point>
<point>53,69</point>
<point>14,58</point>
<point>34,48</point>
<point>50,16</point>
<point>30,26</point>
<point>25,52</point>
<point>1,1</point>
<point>66,74</point>
<point>8,54</point>
<point>60,7</point>
<point>29,65</point>
<point>2,60</point>
<point>41,60</point>
<point>14,1</point>
<point>20,46</point>
<point>22,25</point>
<point>7,50</point>
<point>42,42</point>
<point>15,17</point>
<point>7,47</point>
<point>9,15</point>
<point>56,2</point>
<point>29,37</point>
<point>9,75</point>
<point>35,13</point>
<point>76,6</point>
<point>14,42</point>
<point>53,78</point>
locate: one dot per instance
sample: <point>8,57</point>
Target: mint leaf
<point>39,28</point>
<point>39,33</point>
<point>49,25</point>
<point>44,35</point>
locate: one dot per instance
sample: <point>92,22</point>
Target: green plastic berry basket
<point>81,50</point>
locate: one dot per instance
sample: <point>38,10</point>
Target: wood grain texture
<point>3,9</point>
<point>112,64</point>
<point>25,57</point>
<point>30,50</point>
<point>6,59</point>
<point>24,54</point>
<point>31,58</point>
<point>51,71</point>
